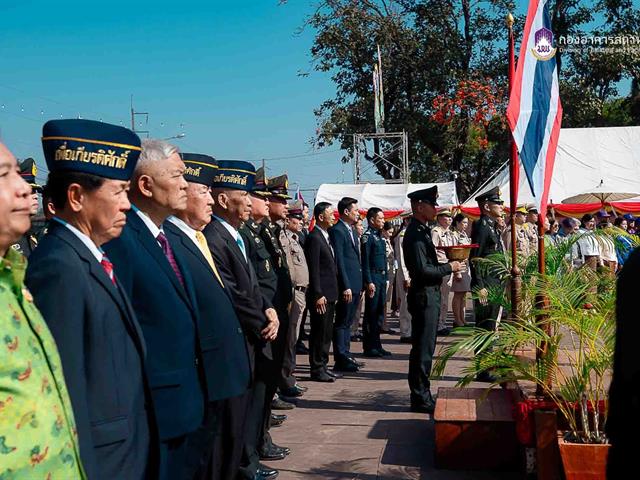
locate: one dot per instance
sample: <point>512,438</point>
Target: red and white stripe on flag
<point>535,111</point>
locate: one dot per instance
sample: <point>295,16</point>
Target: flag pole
<point>514,170</point>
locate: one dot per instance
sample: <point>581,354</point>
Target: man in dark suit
<point>83,302</point>
<point>347,251</point>
<point>323,292</point>
<point>216,447</point>
<point>423,298</point>
<point>160,287</point>
<point>232,206</point>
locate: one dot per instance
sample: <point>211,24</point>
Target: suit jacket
<point>347,258</point>
<point>102,352</point>
<point>322,268</point>
<point>225,354</point>
<point>168,317</point>
<point>240,279</point>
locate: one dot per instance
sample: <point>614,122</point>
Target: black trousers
<point>374,314</point>
<point>342,327</point>
<point>424,308</point>
<point>320,337</point>
<point>173,458</point>
<point>215,449</point>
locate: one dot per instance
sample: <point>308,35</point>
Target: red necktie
<point>108,268</point>
<point>168,252</point>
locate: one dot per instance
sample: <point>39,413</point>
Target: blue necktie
<point>240,243</point>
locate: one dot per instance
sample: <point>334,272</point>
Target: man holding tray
<point>423,299</point>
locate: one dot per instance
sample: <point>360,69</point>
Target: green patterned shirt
<point>38,439</point>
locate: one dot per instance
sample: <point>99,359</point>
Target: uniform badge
<point>16,247</point>
<point>257,239</point>
<point>267,266</point>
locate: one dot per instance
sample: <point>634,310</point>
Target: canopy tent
<point>586,157</point>
<point>391,198</point>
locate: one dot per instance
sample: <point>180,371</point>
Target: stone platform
<point>360,427</point>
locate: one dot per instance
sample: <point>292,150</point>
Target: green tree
<point>432,51</point>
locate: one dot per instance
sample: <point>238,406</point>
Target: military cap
<point>522,209</point>
<point>426,195</point>
<point>87,146</point>
<point>629,217</point>
<point>234,174</point>
<point>492,196</point>
<point>278,186</point>
<point>260,184</point>
<point>28,172</point>
<point>603,214</point>
<point>199,168</point>
<point>532,209</point>
<point>295,209</point>
<point>445,211</point>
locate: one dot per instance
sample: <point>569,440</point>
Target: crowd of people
<point>154,329</point>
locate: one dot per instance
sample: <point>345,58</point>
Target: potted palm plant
<point>578,341</point>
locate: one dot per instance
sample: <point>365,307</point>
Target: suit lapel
<point>152,246</point>
<point>231,243</point>
<point>100,276</point>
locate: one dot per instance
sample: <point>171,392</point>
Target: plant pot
<point>583,461</point>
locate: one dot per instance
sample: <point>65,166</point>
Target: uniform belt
<point>300,289</point>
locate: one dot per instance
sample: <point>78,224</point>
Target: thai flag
<point>535,112</point>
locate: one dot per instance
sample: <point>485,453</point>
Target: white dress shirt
<point>93,248</point>
<point>153,228</point>
<point>234,233</point>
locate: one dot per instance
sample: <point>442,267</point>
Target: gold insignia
<point>267,266</point>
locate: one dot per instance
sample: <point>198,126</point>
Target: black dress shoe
<point>279,404</point>
<point>301,348</point>
<point>384,352</point>
<point>322,377</point>
<point>345,367</point>
<point>275,423</point>
<point>302,388</point>
<point>405,339</point>
<point>486,377</point>
<point>291,392</point>
<point>356,338</point>
<point>443,332</point>
<point>280,418</point>
<point>373,353</point>
<point>358,364</point>
<point>265,473</point>
<point>427,407</point>
<point>333,374</point>
<point>286,450</point>
<point>272,454</point>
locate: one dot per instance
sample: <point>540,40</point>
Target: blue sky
<point>222,72</point>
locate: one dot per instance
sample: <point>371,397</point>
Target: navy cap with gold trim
<point>492,196</point>
<point>199,168</point>
<point>278,186</point>
<point>426,195</point>
<point>260,186</point>
<point>28,172</point>
<point>87,146</point>
<point>235,174</point>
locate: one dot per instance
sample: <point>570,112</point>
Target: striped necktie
<point>204,248</point>
<point>108,268</point>
<point>168,252</point>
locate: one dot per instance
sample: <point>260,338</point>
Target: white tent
<point>388,197</point>
<point>585,158</point>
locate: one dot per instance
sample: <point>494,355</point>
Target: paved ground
<point>360,426</point>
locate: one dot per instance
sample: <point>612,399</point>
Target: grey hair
<point>154,150</point>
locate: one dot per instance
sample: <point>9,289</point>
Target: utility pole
<point>133,119</point>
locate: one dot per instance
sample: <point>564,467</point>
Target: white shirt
<point>93,248</point>
<point>153,228</point>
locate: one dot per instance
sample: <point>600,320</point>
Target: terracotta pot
<point>583,461</point>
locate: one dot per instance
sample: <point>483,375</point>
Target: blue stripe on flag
<point>535,134</point>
